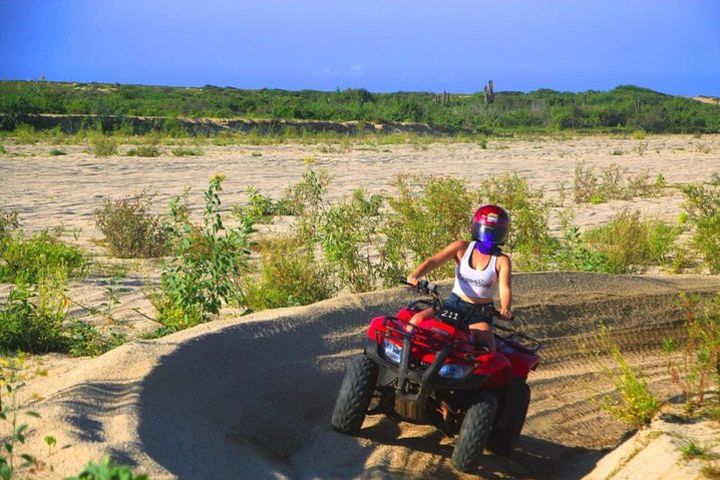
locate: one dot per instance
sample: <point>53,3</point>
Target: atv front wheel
<point>355,393</point>
<point>505,433</point>
<point>474,433</point>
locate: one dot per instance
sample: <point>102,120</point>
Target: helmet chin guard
<point>490,225</point>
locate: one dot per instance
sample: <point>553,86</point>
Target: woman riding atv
<point>480,268</point>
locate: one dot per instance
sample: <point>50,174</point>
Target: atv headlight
<point>392,351</point>
<point>454,371</point>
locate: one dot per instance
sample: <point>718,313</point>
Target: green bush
<point>702,208</point>
<point>130,229</point>
<point>31,320</point>
<point>262,208</point>
<point>631,244</point>
<point>9,222</point>
<point>573,254</point>
<point>144,151</point>
<point>187,151</point>
<point>288,274</point>
<point>107,470</point>
<point>103,146</point>
<point>25,258</point>
<point>2,150</point>
<point>424,216</point>
<point>699,350</point>
<point>84,339</point>
<point>206,262</point>
<point>529,235</point>
<point>56,152</point>
<point>632,401</point>
<point>613,184</point>
<point>346,230</point>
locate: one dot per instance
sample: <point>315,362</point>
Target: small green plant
<point>633,402</point>
<point>2,150</point>
<point>638,135</point>
<point>50,441</point>
<point>103,145</point>
<point>346,229</point>
<point>262,208</point>
<point>31,320</point>
<point>289,273</point>
<point>187,151</point>
<point>25,258</point>
<point>107,470</point>
<point>144,151</point>
<point>702,209</point>
<point>631,244</point>
<point>205,264</point>
<point>57,152</point>
<point>9,222</point>
<point>613,184</point>
<point>12,462</point>
<point>691,450</point>
<point>256,154</point>
<point>483,143</point>
<point>130,229</point>
<point>25,134</point>
<point>699,351</point>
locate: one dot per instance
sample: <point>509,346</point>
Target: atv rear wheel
<point>505,433</point>
<point>355,393</point>
<point>474,432</point>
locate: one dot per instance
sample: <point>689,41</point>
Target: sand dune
<point>252,398</point>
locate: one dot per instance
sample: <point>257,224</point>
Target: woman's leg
<point>483,335</point>
<point>421,315</point>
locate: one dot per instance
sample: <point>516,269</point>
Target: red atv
<point>432,373</point>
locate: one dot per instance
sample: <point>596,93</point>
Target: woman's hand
<point>412,280</point>
<point>506,314</point>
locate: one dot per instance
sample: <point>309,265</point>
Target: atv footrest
<point>410,409</point>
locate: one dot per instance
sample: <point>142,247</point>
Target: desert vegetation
<point>625,108</point>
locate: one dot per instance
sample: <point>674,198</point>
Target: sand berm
<point>251,397</point>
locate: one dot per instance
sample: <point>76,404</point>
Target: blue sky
<point>671,46</point>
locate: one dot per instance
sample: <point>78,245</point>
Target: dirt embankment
<point>72,124</point>
<point>251,398</point>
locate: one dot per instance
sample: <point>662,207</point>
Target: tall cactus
<point>489,93</point>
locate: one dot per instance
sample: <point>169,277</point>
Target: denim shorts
<point>476,313</point>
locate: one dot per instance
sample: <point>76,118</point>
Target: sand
<point>250,397</point>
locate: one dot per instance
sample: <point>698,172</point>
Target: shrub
<point>639,135</point>
<point>702,208</point>
<point>632,402</point>
<point>25,134</point>
<point>31,320</point>
<point>9,222</point>
<point>149,148</point>
<point>630,244</point>
<point>262,208</point>
<point>307,194</point>
<point>187,151</point>
<point>699,350</point>
<point>573,254</point>
<point>424,216</point>
<point>206,261</point>
<point>614,184</point>
<point>107,470</point>
<point>130,229</point>
<point>2,150</point>
<point>529,235</point>
<point>345,230</point>
<point>84,339</point>
<point>289,274</point>
<point>483,143</point>
<point>103,146</point>
<point>25,259</point>
<point>56,152</point>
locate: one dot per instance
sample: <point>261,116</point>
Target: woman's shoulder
<point>503,258</point>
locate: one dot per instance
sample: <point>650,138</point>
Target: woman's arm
<point>436,260</point>
<point>504,268</point>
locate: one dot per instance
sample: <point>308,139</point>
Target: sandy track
<point>252,398</point>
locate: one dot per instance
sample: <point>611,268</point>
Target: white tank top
<point>473,283</point>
